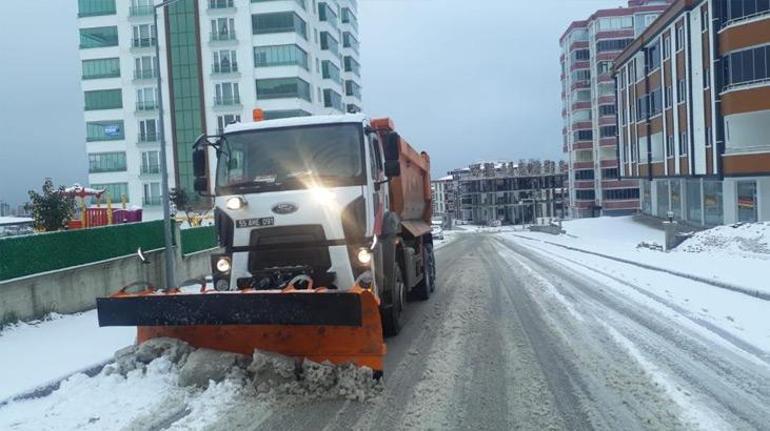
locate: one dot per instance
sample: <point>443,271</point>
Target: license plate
<point>255,222</point>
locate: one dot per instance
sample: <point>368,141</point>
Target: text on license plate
<point>255,222</point>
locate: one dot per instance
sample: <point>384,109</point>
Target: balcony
<point>227,101</point>
<point>148,138</point>
<point>222,36</point>
<point>153,169</point>
<point>143,42</point>
<point>224,68</point>
<point>141,74</point>
<point>221,4</point>
<point>140,11</point>
<point>146,105</point>
<point>151,200</point>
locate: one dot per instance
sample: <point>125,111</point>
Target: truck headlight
<point>364,256</point>
<point>323,195</point>
<point>223,264</point>
<point>235,203</point>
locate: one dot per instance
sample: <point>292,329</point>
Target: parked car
<point>494,223</point>
<point>438,232</point>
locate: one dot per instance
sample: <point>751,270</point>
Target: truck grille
<point>286,246</point>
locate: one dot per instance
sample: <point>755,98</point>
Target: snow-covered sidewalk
<point>733,255</point>
<point>37,353</point>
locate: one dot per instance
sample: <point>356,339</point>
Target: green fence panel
<point>198,239</point>
<point>33,254</point>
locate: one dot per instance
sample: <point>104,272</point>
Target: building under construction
<point>509,192</point>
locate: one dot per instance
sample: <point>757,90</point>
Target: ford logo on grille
<point>284,208</point>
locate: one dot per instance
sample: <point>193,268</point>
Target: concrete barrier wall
<point>75,289</point>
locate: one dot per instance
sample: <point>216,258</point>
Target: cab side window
<point>376,160</point>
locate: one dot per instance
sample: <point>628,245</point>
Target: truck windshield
<point>291,158</point>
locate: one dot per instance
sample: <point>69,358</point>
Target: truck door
<point>376,174</point>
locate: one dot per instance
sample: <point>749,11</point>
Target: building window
<point>352,89</point>
<point>663,198</point>
<point>681,91</point>
<point>581,75</point>
<point>603,67</point>
<point>103,99</point>
<point>652,57</point>
<point>332,99</point>
<point>608,131</point>
<point>584,175</point>
<point>225,61</point>
<point>646,196</point>
<point>349,18</point>
<point>607,110</point>
<point>666,47</point>
<point>694,201</point>
<point>712,203</point>
<point>104,131</point>
<point>146,99</point>
<point>583,135</point>
<point>144,67</point>
<point>583,156</point>
<point>326,14</point>
<point>225,120</point>
<point>329,43</point>
<point>610,174</point>
<point>144,36</point>
<point>680,37</point>
<point>584,195</point>
<point>580,55</point>
<point>148,130</point>
<point>223,29</point>
<point>150,162</point>
<point>330,71</point>
<point>747,66</point>
<point>669,96</point>
<point>227,94</point>
<point>675,187</point>
<point>606,90</point>
<point>351,65</point>
<point>116,192</point>
<point>280,55</point>
<point>612,45</point>
<point>349,41</point>
<point>98,37</point>
<point>706,79</point>
<point>670,146</point>
<point>96,7</point>
<point>683,143</point>
<point>615,23</point>
<point>106,162</point>
<point>101,68</point>
<point>704,18</point>
<point>151,195</point>
<point>620,194</point>
<point>737,9</point>
<point>280,22</point>
<point>220,4</point>
<point>747,201</point>
<point>282,88</point>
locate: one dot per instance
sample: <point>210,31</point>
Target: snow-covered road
<point>516,337</point>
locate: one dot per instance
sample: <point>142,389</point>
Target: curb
<point>739,289</point>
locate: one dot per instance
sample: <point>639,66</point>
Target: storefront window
<point>712,203</point>
<point>747,201</point>
<point>646,197</point>
<point>676,198</point>
<point>694,202</point>
<point>661,187</point>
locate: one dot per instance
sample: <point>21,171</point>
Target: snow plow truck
<point>324,227</point>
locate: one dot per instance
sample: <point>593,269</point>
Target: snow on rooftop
<point>15,220</point>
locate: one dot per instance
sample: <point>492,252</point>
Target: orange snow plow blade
<point>338,326</point>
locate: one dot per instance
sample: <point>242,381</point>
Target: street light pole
<point>168,255</point>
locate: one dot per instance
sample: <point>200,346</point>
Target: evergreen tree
<point>52,209</point>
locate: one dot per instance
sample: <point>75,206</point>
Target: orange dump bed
<point>410,193</point>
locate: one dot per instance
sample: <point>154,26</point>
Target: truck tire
<point>394,300</point>
<point>428,284</point>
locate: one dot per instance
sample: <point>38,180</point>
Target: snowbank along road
<point>512,339</point>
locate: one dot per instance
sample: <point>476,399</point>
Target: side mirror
<point>392,168</point>
<point>199,160</point>
<point>390,148</point>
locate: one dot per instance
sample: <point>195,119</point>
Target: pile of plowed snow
<point>742,238</point>
<point>167,384</point>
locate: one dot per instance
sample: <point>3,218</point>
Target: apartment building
<point>513,193</point>
<point>589,48</point>
<point>694,112</point>
<point>220,59</point>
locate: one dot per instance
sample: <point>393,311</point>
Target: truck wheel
<point>391,313</point>
<point>428,284</point>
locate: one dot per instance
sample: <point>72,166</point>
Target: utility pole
<point>168,256</point>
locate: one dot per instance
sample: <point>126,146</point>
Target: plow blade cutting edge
<point>338,326</point>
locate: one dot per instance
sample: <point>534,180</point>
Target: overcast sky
<point>463,79</point>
